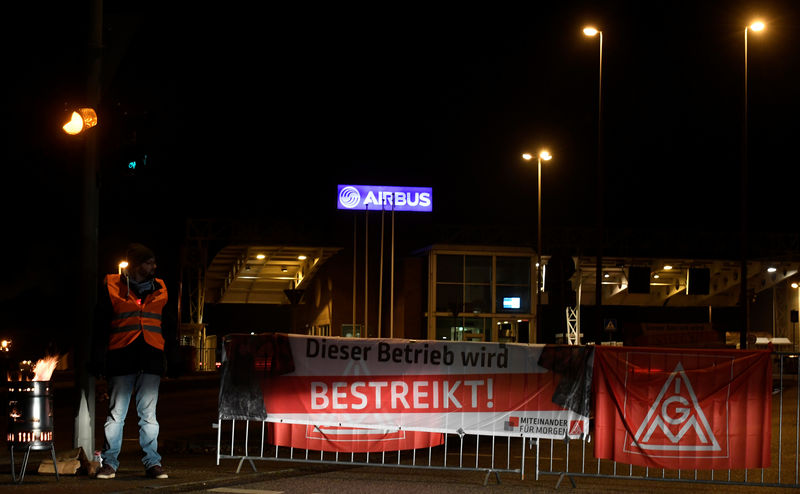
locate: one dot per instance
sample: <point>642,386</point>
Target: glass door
<point>506,330</point>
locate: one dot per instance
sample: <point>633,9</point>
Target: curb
<point>213,483</point>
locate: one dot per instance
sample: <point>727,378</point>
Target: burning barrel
<point>30,415</point>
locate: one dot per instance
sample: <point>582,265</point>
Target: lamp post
<point>81,120</point>
<point>743,300</point>
<point>592,31</point>
<point>543,155</point>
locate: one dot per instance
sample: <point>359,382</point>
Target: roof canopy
<point>259,274</point>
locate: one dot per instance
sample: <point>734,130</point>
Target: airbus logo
<point>349,197</point>
<point>385,198</point>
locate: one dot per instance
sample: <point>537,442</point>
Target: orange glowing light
<point>75,124</point>
<point>80,120</point>
<point>44,368</point>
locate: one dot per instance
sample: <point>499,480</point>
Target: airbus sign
<point>387,198</point>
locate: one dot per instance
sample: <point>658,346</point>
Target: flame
<point>44,368</point>
<point>42,371</point>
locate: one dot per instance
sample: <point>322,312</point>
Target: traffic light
<point>137,163</point>
<point>130,141</point>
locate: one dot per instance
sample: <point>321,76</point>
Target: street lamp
<point>593,31</point>
<point>755,26</point>
<point>84,428</point>
<point>543,155</point>
<point>80,120</point>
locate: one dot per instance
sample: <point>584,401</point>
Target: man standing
<point>131,329</point>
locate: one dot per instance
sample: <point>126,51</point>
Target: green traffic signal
<point>134,163</point>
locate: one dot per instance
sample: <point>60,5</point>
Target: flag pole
<point>391,283</point>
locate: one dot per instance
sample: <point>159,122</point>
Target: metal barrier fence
<point>568,460</point>
<point>246,440</point>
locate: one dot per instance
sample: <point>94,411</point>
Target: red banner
<point>349,439</point>
<point>357,395</point>
<point>683,409</point>
<point>432,386</point>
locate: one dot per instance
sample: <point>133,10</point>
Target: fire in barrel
<point>30,406</point>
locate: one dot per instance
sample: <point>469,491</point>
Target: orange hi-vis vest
<point>133,316</point>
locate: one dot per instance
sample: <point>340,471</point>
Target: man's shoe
<point>106,472</point>
<point>156,472</point>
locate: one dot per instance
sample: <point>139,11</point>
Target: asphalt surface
<point>381,480</point>
<point>187,410</point>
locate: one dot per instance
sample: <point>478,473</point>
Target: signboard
<point>413,386</point>
<point>610,324</point>
<point>684,409</point>
<point>383,197</point>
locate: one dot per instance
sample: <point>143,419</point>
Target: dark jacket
<point>137,356</point>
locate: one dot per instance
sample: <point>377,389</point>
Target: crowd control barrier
<point>682,433</point>
<point>245,441</point>
<point>572,460</point>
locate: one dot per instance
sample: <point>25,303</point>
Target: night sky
<point>257,111</point>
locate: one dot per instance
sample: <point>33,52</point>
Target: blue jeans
<point>145,386</point>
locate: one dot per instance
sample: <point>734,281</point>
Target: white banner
<point>429,386</point>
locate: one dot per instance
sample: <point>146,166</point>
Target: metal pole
<point>796,332</point>
<point>200,293</point>
<point>355,244</point>
<point>743,301</point>
<point>85,383</point>
<point>598,276</point>
<point>366,271</point>
<point>391,284</point>
<point>380,278</point>
<point>578,306</point>
<point>538,253</point>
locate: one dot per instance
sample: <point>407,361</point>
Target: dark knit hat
<point>138,254</point>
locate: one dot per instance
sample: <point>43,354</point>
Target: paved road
<point>376,480</point>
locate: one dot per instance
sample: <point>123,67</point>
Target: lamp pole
<point>84,424</point>
<point>543,155</point>
<point>598,280</point>
<point>743,299</point>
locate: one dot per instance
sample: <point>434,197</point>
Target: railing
<point>573,459</point>
<point>246,440</point>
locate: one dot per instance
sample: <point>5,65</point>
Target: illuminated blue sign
<point>387,198</point>
<point>511,302</point>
